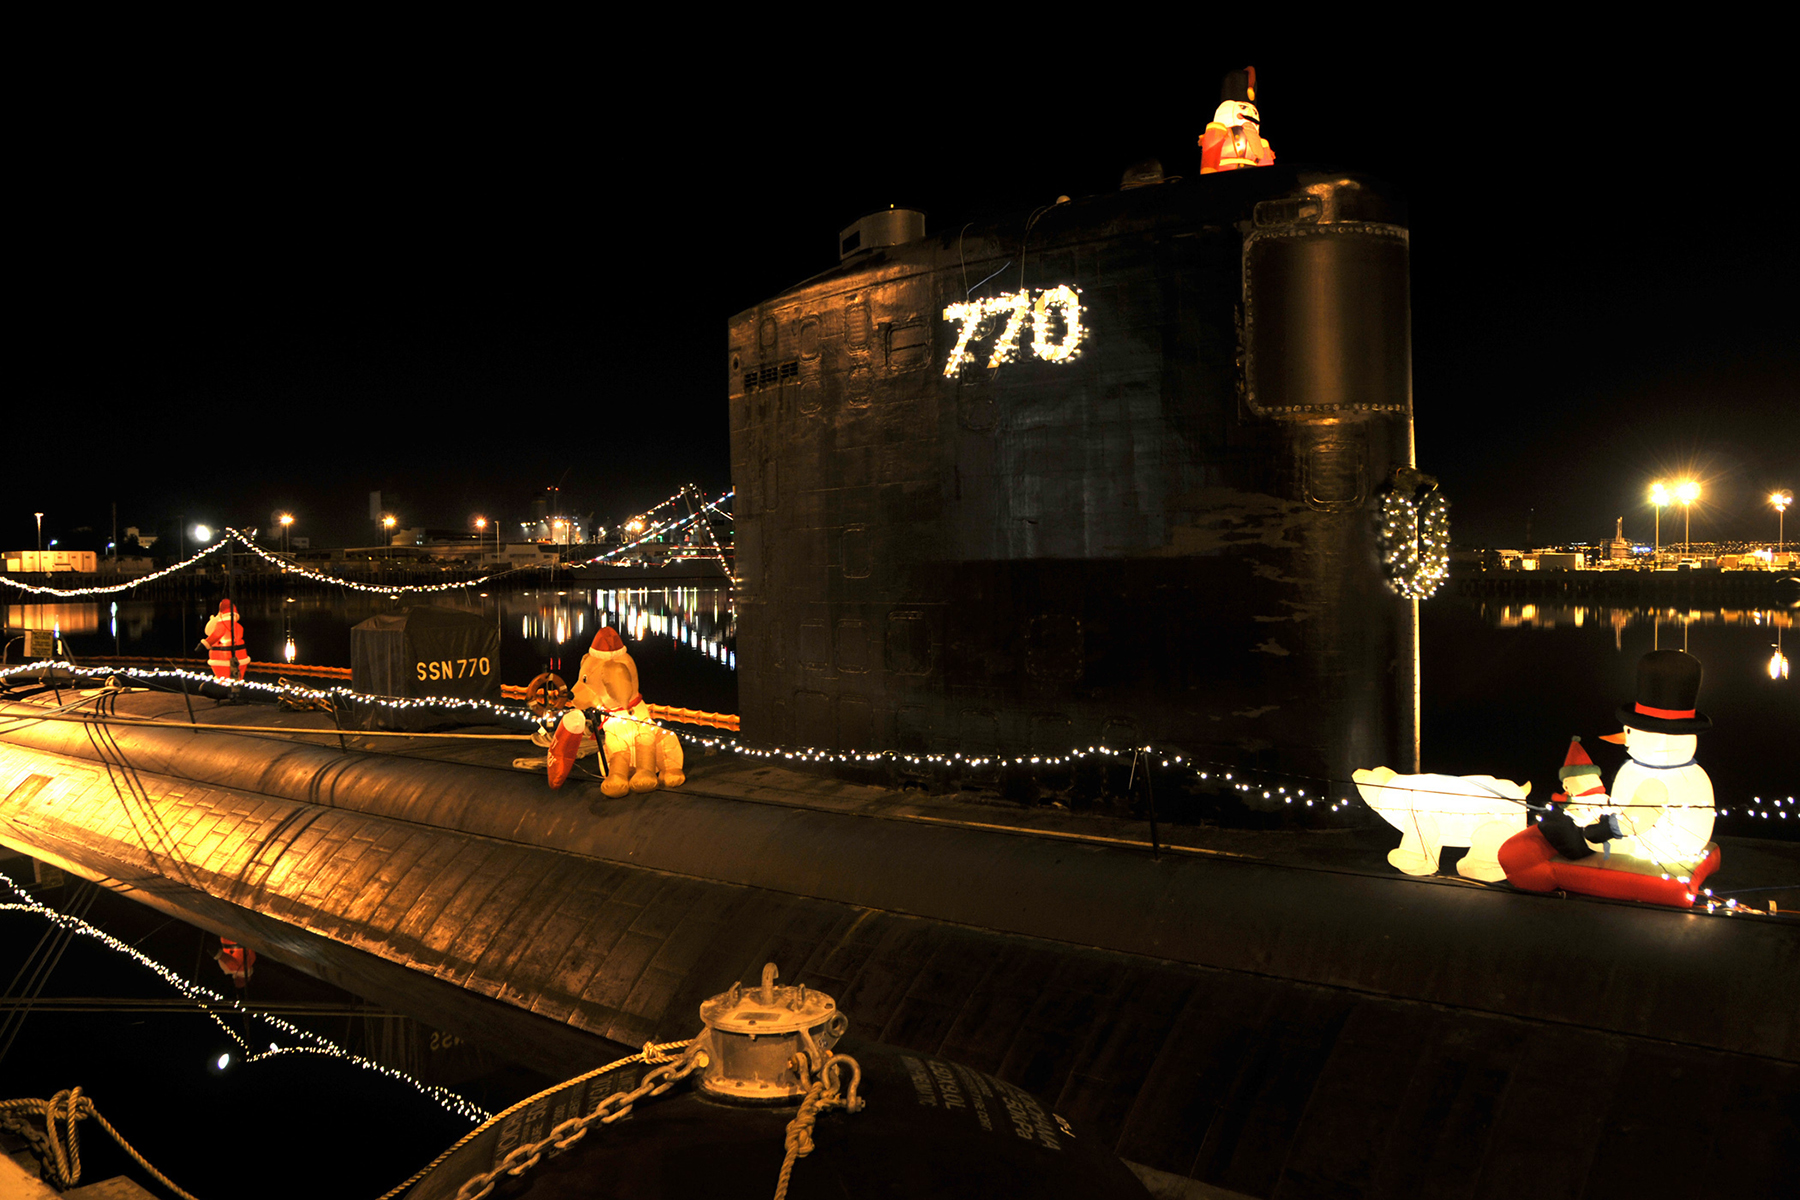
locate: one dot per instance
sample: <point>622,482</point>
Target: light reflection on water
<point>697,619</point>
<point>1505,684</point>
<point>1524,615</point>
<point>683,638</point>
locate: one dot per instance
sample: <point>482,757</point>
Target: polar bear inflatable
<point>1434,811</point>
<point>640,755</point>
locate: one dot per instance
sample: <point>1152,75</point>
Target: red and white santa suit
<point>237,961</point>
<point>1233,139</point>
<point>225,649</point>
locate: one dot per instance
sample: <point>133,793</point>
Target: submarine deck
<point>1755,865</point>
<point>1268,1012</point>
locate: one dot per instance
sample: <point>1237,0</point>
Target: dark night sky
<point>240,291</point>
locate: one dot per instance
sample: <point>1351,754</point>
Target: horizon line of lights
<point>206,998</point>
<point>286,567</point>
<point>290,568</point>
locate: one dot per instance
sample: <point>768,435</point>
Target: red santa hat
<point>607,643</point>
<point>226,609</point>
<point>1576,768</point>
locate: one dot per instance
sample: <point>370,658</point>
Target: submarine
<point>1112,472</point>
<point>1231,1012</point>
<point>1105,473</point>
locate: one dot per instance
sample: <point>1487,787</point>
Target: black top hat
<point>1668,687</point>
<point>1239,86</point>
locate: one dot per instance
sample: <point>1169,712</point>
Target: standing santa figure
<point>224,641</point>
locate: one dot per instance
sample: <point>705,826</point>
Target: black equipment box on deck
<point>427,651</point>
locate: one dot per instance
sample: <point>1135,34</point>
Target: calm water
<point>682,638</point>
<point>1504,684</point>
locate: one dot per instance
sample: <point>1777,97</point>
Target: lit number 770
<point>978,319</point>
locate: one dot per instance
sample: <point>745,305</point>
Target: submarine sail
<point>1107,473</point>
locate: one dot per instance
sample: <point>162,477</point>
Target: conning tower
<point>1109,471</point>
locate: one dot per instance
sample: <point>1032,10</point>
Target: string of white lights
<point>283,565</point>
<point>211,1003</point>
<point>289,568</point>
<point>704,505</point>
<point>40,590</point>
<point>1020,308</point>
<point>1252,784</point>
<point>659,529</point>
<point>275,691</point>
<point>1271,786</point>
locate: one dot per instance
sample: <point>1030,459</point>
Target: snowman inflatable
<point>1434,811</point>
<point>1655,828</point>
<point>1663,798</point>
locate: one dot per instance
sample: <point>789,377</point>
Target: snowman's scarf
<point>1671,767</point>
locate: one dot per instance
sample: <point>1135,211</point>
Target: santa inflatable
<point>609,710</point>
<point>1651,839</point>
<point>237,961</point>
<point>1233,139</point>
<point>224,641</point>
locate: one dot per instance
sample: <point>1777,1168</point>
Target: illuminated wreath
<point>1414,534</point>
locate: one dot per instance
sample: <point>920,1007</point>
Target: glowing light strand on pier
<point>114,589</point>
<point>280,564</point>
<point>286,567</point>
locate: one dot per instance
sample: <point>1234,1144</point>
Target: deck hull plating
<point>1256,1024</point>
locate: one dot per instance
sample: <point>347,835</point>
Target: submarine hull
<point>1272,1028</point>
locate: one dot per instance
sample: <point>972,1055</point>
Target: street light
<point>1687,491</point>
<point>1780,500</point>
<point>286,520</point>
<point>1659,496</point>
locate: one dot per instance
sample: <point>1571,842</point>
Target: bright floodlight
<point>1687,491</point>
<point>389,522</point>
<point>224,1061</point>
<point>202,533</point>
<point>287,518</point>
<point>1781,500</point>
<point>1659,494</point>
